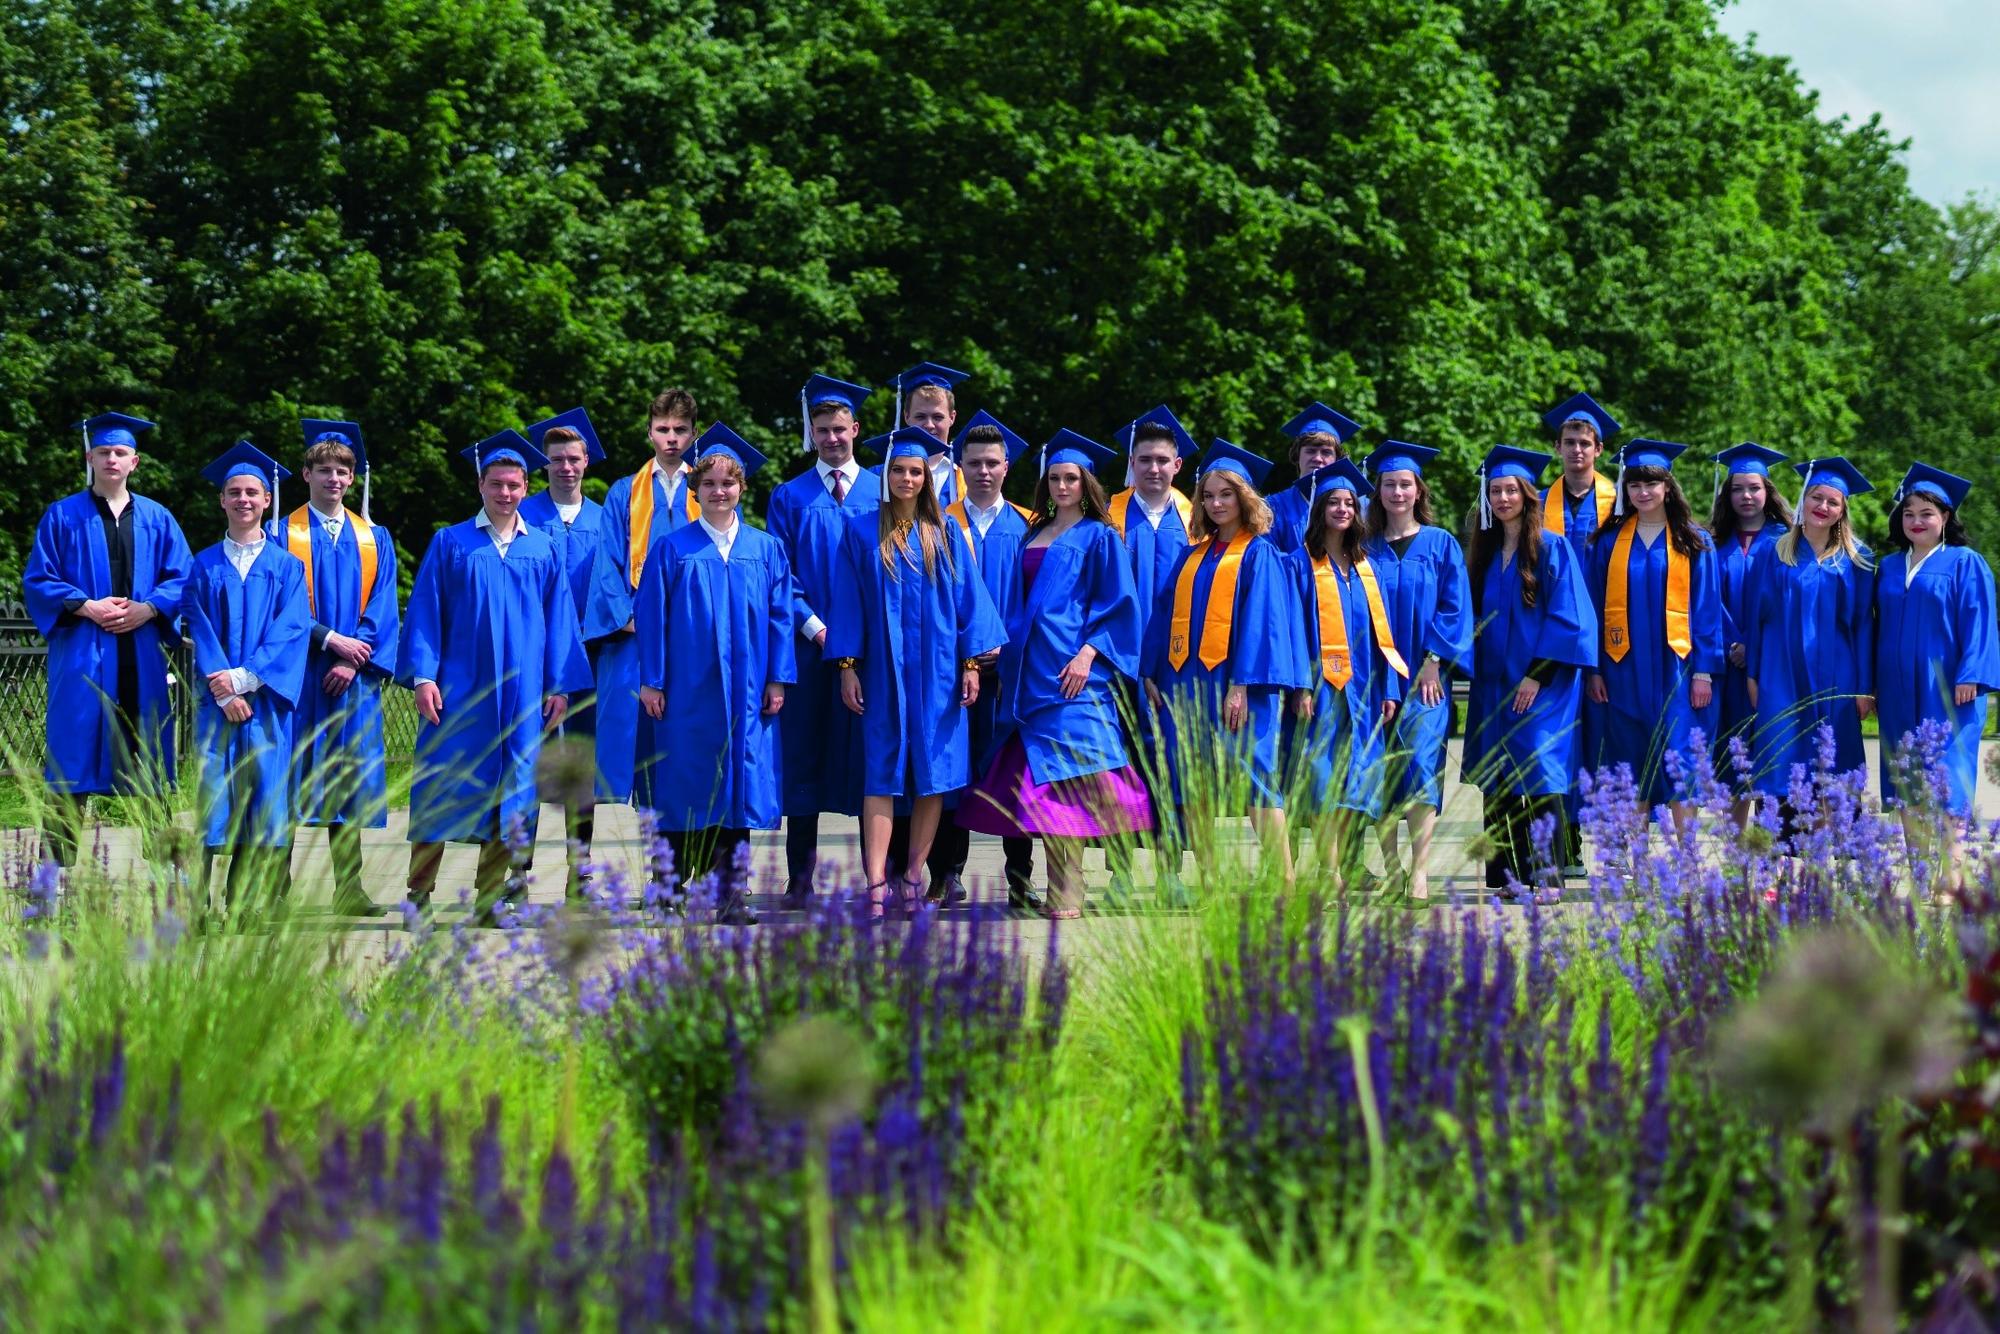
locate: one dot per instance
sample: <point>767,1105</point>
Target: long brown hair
<point>1722,519</point>
<point>1095,504</point>
<point>1483,546</point>
<point>1349,538</point>
<point>1681,528</point>
<point>1255,509</point>
<point>893,534</point>
<point>1378,515</point>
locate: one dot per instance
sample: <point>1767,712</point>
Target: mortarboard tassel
<point>1618,504</point>
<point>366,474</point>
<point>1485,504</point>
<point>89,473</point>
<point>805,423</point>
<point>1805,485</point>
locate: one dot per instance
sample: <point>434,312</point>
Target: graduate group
<point>1118,662</point>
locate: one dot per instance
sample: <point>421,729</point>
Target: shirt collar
<point>231,545</point>
<point>483,520</point>
<point>850,469</point>
<point>719,535</point>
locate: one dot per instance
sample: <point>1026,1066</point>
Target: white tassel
<point>1720,473</point>
<point>805,423</point>
<point>1485,504</point>
<point>1805,485</point>
<point>1618,504</point>
<point>89,473</point>
<point>366,474</point>
<point>1045,462</point>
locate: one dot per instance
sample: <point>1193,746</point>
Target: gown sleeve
<point>979,627</point>
<point>1111,623</point>
<point>1449,633</point>
<point>1757,610</point>
<point>1861,591</point>
<point>46,584</point>
<point>170,585</point>
<point>1153,654</point>
<point>279,659</point>
<point>1264,640</point>
<point>565,666</point>
<point>1973,612</point>
<point>782,665</point>
<point>380,625</point>
<point>847,628</point>
<point>649,615</point>
<point>1566,629</point>
<point>1705,612</point>
<point>420,656</point>
<point>209,655</point>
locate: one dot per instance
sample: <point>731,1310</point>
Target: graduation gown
<point>616,708</point>
<point>712,634</point>
<point>998,552</point>
<point>592,586</point>
<point>1429,599</point>
<point>1735,570</point>
<point>820,736</point>
<point>1930,637</point>
<point>1083,594</point>
<point>69,562</point>
<point>1649,713</point>
<point>258,621</point>
<point>341,774</point>
<point>1810,640</point>
<point>911,630</point>
<point>1529,754</point>
<point>1155,552</point>
<point>1336,755</point>
<point>497,634</point>
<point>1579,522</point>
<point>1266,656</point>
<point>1290,513</point>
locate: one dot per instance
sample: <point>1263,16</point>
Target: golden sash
<point>1617,596</point>
<point>1220,615</point>
<point>1335,662</point>
<point>956,510</point>
<point>1556,498</point>
<point>1121,505</point>
<point>298,541</point>
<point>639,512</point>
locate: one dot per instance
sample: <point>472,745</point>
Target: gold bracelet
<point>846,664</point>
<point>968,664</point>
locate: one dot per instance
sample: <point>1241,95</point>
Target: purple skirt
<point>1009,803</point>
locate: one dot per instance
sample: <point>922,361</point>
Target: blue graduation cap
<point>1526,465</point>
<point>1749,458</point>
<point>112,428</point>
<point>1581,408</point>
<point>719,439</point>
<point>1223,456</point>
<point>1066,446</point>
<point>506,447</point>
<point>244,459</point>
<point>825,389</point>
<point>1939,485</point>
<point>1319,419</point>
<point>576,419</point>
<point>1339,475</point>
<point>1162,415</point>
<point>927,372</point>
<point>1400,456</point>
<point>1644,453</point>
<point>1013,444</point>
<point>340,433</point>
<point>1835,472</point>
<point>903,443</point>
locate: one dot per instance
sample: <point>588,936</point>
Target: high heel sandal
<point>911,894</point>
<point>877,900</point>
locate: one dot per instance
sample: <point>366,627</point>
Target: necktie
<point>332,527</point>
<point>839,487</point>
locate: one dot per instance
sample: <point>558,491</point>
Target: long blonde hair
<point>927,520</point>
<point>1256,510</point>
<point>1841,533</point>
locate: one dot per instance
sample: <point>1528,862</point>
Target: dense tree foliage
<point>1438,215</point>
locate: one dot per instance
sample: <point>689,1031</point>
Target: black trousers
<point>496,865</point>
<point>1510,821</point>
<point>697,852</point>
<point>256,874</point>
<point>953,845</point>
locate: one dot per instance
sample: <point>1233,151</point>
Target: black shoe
<point>1021,900</point>
<point>798,894</point>
<point>421,903</point>
<point>735,911</point>
<point>353,903</point>
<point>948,891</point>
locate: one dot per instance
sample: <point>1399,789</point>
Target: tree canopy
<point>1438,216</point>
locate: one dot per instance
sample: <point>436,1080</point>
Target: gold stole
<point>639,512</point>
<point>1219,616</point>
<point>1617,596</point>
<point>1556,498</point>
<point>1121,505</point>
<point>956,510</point>
<point>298,541</point>
<point>1335,662</point>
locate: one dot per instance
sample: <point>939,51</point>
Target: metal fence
<point>24,697</point>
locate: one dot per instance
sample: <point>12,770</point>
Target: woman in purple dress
<point>1062,771</point>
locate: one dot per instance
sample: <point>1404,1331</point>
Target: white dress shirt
<point>980,519</point>
<point>724,538</point>
<point>568,513</point>
<point>1153,516</point>
<point>242,555</point>
<point>851,470</point>
<point>330,524</point>
<point>499,540</point>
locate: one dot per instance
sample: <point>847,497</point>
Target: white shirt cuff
<point>243,681</point>
<point>425,681</point>
<point>812,628</point>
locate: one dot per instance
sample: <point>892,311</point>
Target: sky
<point>1930,67</point>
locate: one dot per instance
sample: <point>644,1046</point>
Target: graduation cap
<point>1013,444</point>
<point>244,459</point>
<point>719,439</point>
<point>111,429</point>
<point>318,430</point>
<point>1748,459</point>
<point>1223,456</point>
<point>822,389</point>
<point>1526,465</point>
<point>1319,419</point>
<point>506,447</point>
<point>1581,408</point>
<point>1066,446</point>
<point>1339,475</point>
<point>576,419</point>
<point>1939,485</point>
<point>1835,472</point>
<point>1643,453</point>
<point>927,372</point>
<point>1400,456</point>
<point>903,443</point>
<point>1162,415</point>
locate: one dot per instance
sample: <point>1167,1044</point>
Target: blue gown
<point>497,634</point>
<point>712,634</point>
<point>259,622</point>
<point>820,736</point>
<point>1735,715</point>
<point>1155,553</point>
<point>341,775</point>
<point>999,555</point>
<point>1935,635</point>
<point>69,562</point>
<point>616,708</point>
<point>1083,594</point>
<point>911,631</point>
<point>1579,524</point>
<point>1649,713</point>
<point>1266,656</point>
<point>1811,649</point>
<point>1290,513</point>
<point>592,586</point>
<point>1529,754</point>
<point>1337,753</point>
<point>1429,599</point>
